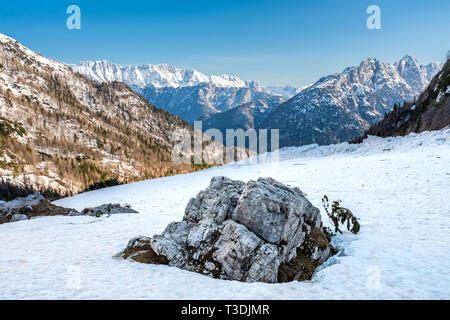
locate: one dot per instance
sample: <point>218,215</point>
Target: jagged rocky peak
<point>339,107</point>
<point>430,111</point>
<point>414,74</point>
<point>371,73</point>
<point>158,76</point>
<point>259,231</point>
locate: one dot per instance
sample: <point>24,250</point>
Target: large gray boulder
<point>260,231</point>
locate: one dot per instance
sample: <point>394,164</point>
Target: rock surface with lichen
<point>260,231</point>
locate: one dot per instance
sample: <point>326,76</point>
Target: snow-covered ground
<point>399,187</point>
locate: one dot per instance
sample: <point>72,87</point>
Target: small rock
<point>107,209</point>
<point>18,217</point>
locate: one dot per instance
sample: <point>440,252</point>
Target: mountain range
<point>64,129</point>
<point>336,108</point>
<point>186,93</point>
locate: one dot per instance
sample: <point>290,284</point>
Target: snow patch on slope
<point>396,186</point>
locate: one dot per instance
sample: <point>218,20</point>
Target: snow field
<point>398,187</point>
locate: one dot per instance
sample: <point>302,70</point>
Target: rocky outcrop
<point>28,207</point>
<point>260,231</point>
<point>36,205</point>
<point>107,210</point>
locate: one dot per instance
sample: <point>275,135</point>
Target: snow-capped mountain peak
<point>186,93</point>
<point>414,74</point>
<point>161,75</point>
<point>340,106</point>
<point>158,76</point>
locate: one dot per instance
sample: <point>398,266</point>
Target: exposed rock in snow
<point>18,217</point>
<point>260,231</point>
<point>46,107</point>
<point>27,207</point>
<point>403,178</point>
<point>107,209</point>
<point>18,203</point>
<point>36,205</point>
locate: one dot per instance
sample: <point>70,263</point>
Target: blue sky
<point>275,42</point>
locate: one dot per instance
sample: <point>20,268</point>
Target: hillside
<point>63,132</point>
<point>431,111</point>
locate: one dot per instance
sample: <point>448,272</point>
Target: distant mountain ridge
<point>186,93</point>
<point>161,75</point>
<point>286,91</point>
<point>339,107</point>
